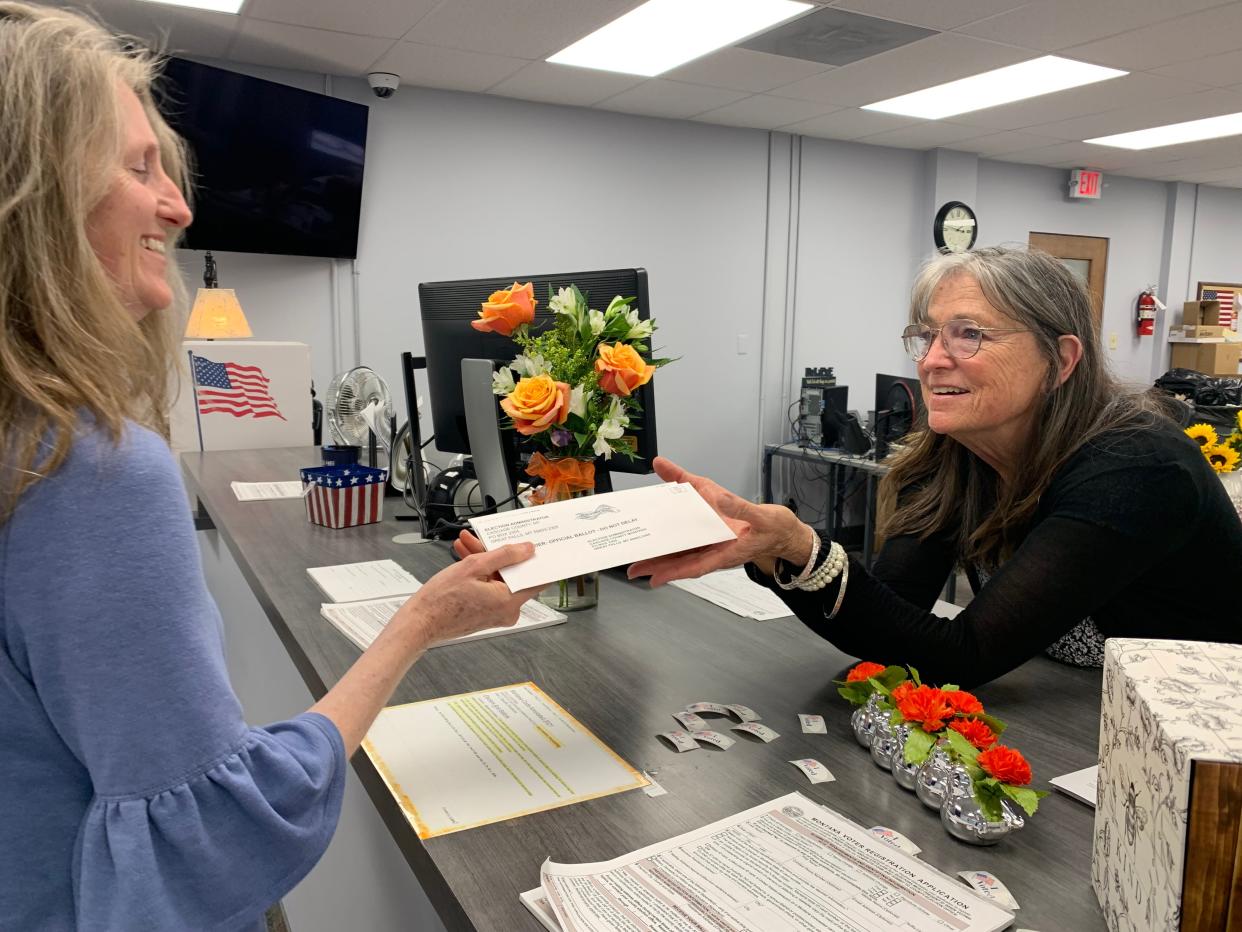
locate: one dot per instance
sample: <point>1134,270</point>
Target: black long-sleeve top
<point>1135,531</point>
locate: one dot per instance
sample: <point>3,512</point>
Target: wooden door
<point>1085,256</point>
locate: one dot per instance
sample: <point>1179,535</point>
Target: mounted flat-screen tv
<point>276,169</point>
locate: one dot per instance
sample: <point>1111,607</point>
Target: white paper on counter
<point>362,622</point>
<point>843,878</point>
<point>1081,784</point>
<point>371,579</point>
<point>734,590</point>
<point>584,535</point>
<point>266,491</point>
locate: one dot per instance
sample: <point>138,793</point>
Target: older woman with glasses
<point>1069,502</point>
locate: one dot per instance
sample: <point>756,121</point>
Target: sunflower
<point>1239,427</point>
<point>1222,458</point>
<point>1202,434</point>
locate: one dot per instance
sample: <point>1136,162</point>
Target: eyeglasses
<point>962,338</point>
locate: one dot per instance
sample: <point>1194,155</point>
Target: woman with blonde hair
<point>132,794</point>
<point>1069,501</point>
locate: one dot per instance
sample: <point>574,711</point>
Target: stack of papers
<point>366,595</point>
<point>733,589</point>
<point>1081,784</point>
<point>264,491</point>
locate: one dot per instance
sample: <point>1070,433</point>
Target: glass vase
<point>932,778</point>
<point>903,772</point>
<point>863,719</point>
<point>577,592</point>
<point>963,818</point>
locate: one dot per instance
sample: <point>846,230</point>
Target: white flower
<point>562,302</point>
<point>610,429</point>
<point>577,402</point>
<point>617,412</point>
<point>529,366</point>
<point>502,381</point>
<point>639,329</point>
<point>597,322</point>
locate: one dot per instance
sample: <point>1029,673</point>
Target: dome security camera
<point>383,83</point>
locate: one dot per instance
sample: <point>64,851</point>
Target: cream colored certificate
<point>488,756</point>
<point>583,535</point>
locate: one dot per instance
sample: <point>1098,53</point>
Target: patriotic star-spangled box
<point>344,496</point>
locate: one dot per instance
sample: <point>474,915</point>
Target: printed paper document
<point>362,622</point>
<point>262,491</point>
<point>484,757</point>
<point>584,535</point>
<point>373,579</point>
<point>788,864</point>
<point>1081,784</point>
<point>733,589</point>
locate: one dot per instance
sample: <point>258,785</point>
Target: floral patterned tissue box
<point>1170,785</point>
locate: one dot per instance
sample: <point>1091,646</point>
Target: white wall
<point>1015,200</point>
<point>1217,253</point>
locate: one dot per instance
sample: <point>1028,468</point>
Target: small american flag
<point>1226,305</point>
<point>344,496</point>
<point>226,387</point>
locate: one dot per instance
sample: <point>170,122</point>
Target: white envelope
<point>584,535</point>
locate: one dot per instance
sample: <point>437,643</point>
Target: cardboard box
<point>1169,805</point>
<point>1208,358</point>
<point>1196,313</point>
<point>1204,330</point>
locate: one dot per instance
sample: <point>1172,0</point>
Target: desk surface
<point>621,669</point>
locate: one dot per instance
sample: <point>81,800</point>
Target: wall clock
<point>955,227</point>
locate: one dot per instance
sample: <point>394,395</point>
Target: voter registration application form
<point>483,757</point>
<point>583,535</point>
<point>787,864</point>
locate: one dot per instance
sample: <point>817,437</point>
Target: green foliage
<point>884,682</point>
<point>1024,796</point>
<point>919,746</point>
<point>959,748</point>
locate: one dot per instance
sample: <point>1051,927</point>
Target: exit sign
<point>1085,183</point>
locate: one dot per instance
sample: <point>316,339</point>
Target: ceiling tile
<point>390,19</point>
<point>1004,143</point>
<point>928,134</point>
<point>432,66</point>
<point>932,61</point>
<point>1078,154</point>
<point>1142,116</point>
<point>1113,94</point>
<point>763,112</point>
<point>745,70</point>
<point>672,99</point>
<point>942,14</point>
<point>1218,70</point>
<point>1209,32</point>
<point>850,123</point>
<point>281,46</point>
<point>1220,176</point>
<point>1052,25</point>
<point>835,37</point>
<point>564,84</point>
<point>531,29</point>
<point>175,29</point>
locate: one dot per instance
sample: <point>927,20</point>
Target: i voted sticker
<point>724,742</point>
<point>814,770</point>
<point>714,707</point>
<point>690,721</point>
<point>896,839</point>
<point>743,713</point>
<point>987,884</point>
<point>763,732</point>
<point>680,740</point>
<point>812,724</point>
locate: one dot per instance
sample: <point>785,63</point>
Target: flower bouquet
<point>570,391</point>
<point>1222,454</point>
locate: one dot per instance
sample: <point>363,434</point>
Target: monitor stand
<point>491,449</point>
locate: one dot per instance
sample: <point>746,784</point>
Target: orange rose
<point>1005,764</point>
<point>974,731</point>
<point>925,706</point>
<point>901,690</point>
<point>962,702</point>
<point>621,369</point>
<point>505,310</point>
<point>536,403</point>
<point>863,672</point>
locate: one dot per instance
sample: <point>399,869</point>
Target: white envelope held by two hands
<point>583,535</point>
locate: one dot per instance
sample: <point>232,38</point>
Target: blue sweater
<point>132,794</point>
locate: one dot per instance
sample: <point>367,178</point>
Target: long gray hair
<point>936,484</point>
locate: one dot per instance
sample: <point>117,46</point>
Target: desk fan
<point>358,409</point>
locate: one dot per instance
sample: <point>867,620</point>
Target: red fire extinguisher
<point>1146,314</point>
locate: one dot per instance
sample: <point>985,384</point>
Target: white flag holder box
<point>344,496</point>
<point>242,395</point>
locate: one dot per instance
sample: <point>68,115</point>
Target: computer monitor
<point>898,406</point>
<point>447,309</point>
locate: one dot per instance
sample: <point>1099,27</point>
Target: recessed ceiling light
<point>213,6</point>
<point>662,34</point>
<point>1004,85</point>
<point>1211,128</point>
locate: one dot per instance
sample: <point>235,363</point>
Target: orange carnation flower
<point>1005,764</point>
<point>963,703</point>
<point>505,310</point>
<point>864,671</point>
<point>621,369</point>
<point>974,731</point>
<point>536,403</point>
<point>901,690</point>
<point>926,707</point>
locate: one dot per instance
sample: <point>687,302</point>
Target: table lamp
<point>216,314</point>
